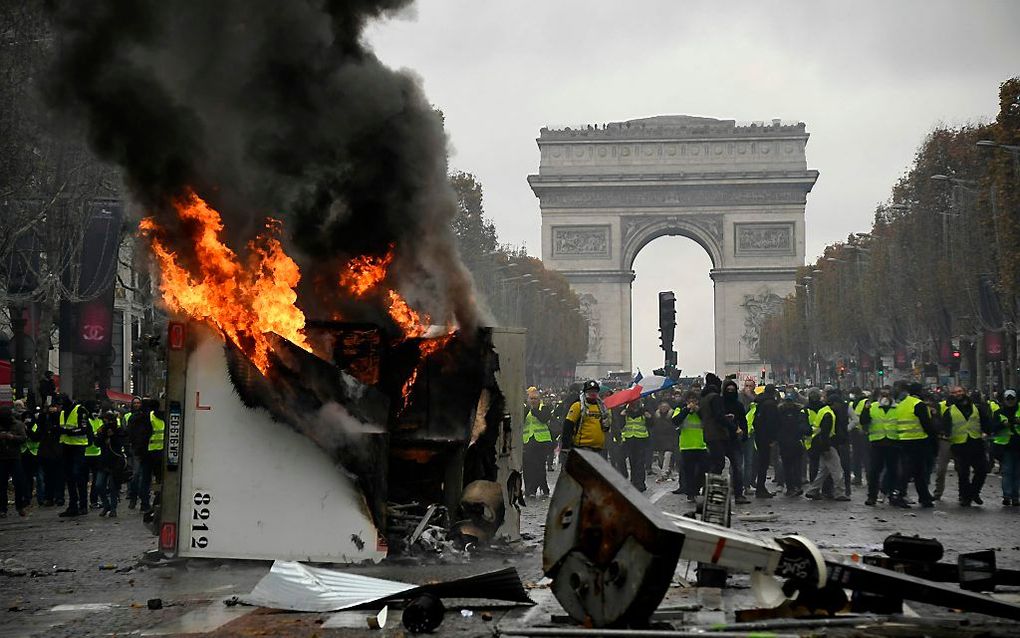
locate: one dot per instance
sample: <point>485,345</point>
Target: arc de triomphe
<point>738,191</point>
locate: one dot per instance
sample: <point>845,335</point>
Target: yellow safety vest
<point>963,427</point>
<point>535,429</point>
<point>815,419</point>
<point>1003,436</point>
<point>70,422</point>
<point>93,449</point>
<point>635,428</point>
<point>859,407</point>
<point>156,438</point>
<point>692,434</point>
<point>907,423</point>
<point>125,419</point>
<point>751,413</point>
<point>32,447</point>
<point>883,424</point>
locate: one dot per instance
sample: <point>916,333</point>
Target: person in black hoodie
<point>793,428</point>
<point>735,418</point>
<point>112,463</point>
<point>766,428</point>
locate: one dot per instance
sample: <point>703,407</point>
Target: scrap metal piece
<point>848,574</point>
<point>610,552</point>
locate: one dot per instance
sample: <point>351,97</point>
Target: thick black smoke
<point>270,107</point>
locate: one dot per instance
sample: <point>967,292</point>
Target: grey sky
<point>869,78</point>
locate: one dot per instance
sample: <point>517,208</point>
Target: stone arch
<point>640,231</point>
<point>606,191</point>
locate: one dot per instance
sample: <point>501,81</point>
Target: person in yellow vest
<point>1007,439</point>
<point>823,424</point>
<point>30,462</point>
<point>967,423</point>
<point>92,452</point>
<point>636,442</point>
<point>151,466</point>
<point>693,448</point>
<point>943,449</point>
<point>914,428</point>
<point>537,441</point>
<point>74,438</point>
<point>879,424</point>
<point>587,421</point>
<point>859,443</point>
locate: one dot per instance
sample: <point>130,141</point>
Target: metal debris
<point>297,587</point>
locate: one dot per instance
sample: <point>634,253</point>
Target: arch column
<point>605,297</point>
<point>744,298</point>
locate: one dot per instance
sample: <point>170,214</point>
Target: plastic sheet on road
<point>296,587</point>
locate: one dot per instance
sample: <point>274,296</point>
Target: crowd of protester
<point>79,455</point>
<point>814,443</point>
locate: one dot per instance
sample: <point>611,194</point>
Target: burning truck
<point>300,439</point>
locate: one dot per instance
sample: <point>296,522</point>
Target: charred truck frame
<point>311,460</point>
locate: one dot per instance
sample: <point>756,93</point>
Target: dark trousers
<point>693,465</point>
<point>883,467</point>
<point>53,479</point>
<point>535,453</point>
<point>860,446</point>
<point>92,466</point>
<point>10,469</point>
<point>639,455</point>
<point>718,453</point>
<point>792,455</point>
<point>914,467</point>
<point>971,467</point>
<point>151,468</point>
<point>77,476</point>
<point>34,483</point>
<point>761,464</point>
<point>108,490</point>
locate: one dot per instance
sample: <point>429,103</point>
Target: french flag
<point>641,388</point>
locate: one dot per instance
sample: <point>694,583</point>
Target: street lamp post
<point>1009,148</point>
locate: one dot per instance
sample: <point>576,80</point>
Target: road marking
<point>83,607</point>
<point>658,495</point>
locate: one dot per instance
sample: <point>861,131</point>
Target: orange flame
<point>363,274</point>
<point>244,302</point>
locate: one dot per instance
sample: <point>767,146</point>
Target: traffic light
<point>881,372</point>
<point>667,320</point>
<point>762,376</point>
<point>842,371</point>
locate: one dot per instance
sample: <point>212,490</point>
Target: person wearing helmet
<point>587,421</point>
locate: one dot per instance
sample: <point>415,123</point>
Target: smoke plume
<point>271,108</point>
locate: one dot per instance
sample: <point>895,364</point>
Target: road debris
<point>296,587</point>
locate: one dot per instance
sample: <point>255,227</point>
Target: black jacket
<point>793,424</point>
<point>766,419</point>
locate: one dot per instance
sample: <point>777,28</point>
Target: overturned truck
<point>311,459</point>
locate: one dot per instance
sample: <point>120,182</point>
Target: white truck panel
<point>253,488</point>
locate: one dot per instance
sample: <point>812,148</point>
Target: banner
<point>994,346</point>
<point>89,323</point>
<point>900,359</point>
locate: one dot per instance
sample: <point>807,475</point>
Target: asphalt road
<point>87,576</point>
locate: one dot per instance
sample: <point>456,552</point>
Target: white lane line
<point>658,495</point>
